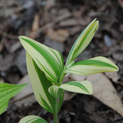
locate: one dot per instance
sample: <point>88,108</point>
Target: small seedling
<point>46,70</point>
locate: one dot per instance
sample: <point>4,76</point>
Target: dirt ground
<point>57,24</point>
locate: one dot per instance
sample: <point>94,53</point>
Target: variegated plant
<point>46,71</point>
<point>7,91</point>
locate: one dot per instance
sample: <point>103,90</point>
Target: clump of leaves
<point>46,71</point>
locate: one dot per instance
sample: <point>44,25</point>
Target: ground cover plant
<point>46,70</point>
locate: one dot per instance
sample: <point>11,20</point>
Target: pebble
<point>108,41</point>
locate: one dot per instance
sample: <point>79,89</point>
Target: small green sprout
<point>46,70</point>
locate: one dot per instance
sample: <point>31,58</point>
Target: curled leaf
<point>57,93</point>
<point>82,41</point>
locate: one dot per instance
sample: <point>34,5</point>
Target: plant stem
<point>56,110</point>
<point>57,102</point>
<point>61,78</point>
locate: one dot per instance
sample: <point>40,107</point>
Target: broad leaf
<point>83,87</point>
<point>48,60</point>
<point>40,85</point>
<point>92,66</point>
<point>82,41</point>
<point>32,119</point>
<point>7,91</point>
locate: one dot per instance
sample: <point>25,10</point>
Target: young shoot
<point>46,70</point>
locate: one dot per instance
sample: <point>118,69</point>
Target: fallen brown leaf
<point>68,22</point>
<point>49,4</point>
<point>121,3</point>
<point>58,35</point>
<point>35,26</point>
<point>104,91</point>
<point>26,96</point>
<point>112,75</point>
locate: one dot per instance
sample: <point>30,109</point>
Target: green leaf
<point>70,64</point>
<point>48,60</point>
<point>82,41</point>
<point>7,91</point>
<point>32,119</point>
<point>57,93</point>
<point>92,66</point>
<point>40,85</point>
<point>83,87</point>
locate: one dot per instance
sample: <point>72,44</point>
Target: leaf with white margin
<point>7,91</point>
<point>40,85</point>
<point>32,119</point>
<point>92,66</point>
<point>57,93</point>
<point>48,60</point>
<point>83,87</point>
<point>82,41</point>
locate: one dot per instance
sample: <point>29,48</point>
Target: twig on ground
<point>39,30</point>
<point>118,119</point>
<point>8,35</point>
<point>50,24</point>
<point>117,82</point>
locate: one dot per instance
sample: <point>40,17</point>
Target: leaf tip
<point>25,84</point>
<point>91,92</point>
<point>22,37</point>
<point>117,68</point>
